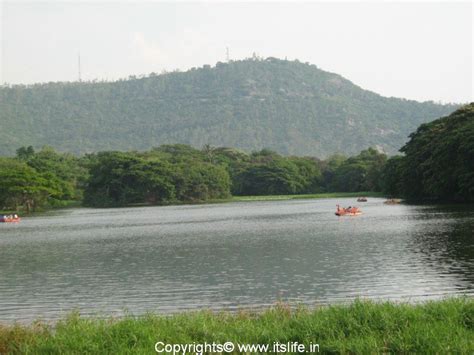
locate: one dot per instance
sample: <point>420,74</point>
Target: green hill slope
<point>289,107</point>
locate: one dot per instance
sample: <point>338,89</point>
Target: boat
<point>362,199</point>
<point>349,211</point>
<point>393,201</point>
<point>10,219</point>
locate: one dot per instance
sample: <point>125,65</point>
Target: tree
<point>68,172</point>
<point>391,177</point>
<point>114,180</point>
<point>22,187</point>
<point>209,152</point>
<point>201,182</point>
<point>359,173</point>
<point>439,159</point>
<point>25,153</point>
<point>276,177</point>
<point>165,175</point>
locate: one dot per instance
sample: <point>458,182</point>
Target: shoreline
<point>361,326</point>
<point>307,196</point>
<point>252,198</point>
<point>257,198</point>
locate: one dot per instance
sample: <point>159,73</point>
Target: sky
<point>421,51</point>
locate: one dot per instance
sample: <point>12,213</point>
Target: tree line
<point>438,164</point>
<point>175,173</point>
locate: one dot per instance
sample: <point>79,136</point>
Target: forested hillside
<point>289,107</point>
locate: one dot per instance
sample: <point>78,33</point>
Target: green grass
<point>307,196</point>
<point>445,326</point>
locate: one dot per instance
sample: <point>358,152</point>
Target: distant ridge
<point>291,107</point>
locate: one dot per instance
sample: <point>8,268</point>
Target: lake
<point>231,256</point>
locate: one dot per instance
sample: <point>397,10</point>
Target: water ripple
<point>231,256</point>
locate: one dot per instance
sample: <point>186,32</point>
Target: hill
<point>287,106</point>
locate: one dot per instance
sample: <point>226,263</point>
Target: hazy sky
<point>421,51</point>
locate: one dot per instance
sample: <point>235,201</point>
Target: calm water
<point>236,255</point>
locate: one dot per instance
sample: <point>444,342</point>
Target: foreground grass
<point>295,197</point>
<point>362,327</point>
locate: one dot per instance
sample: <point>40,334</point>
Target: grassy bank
<point>362,327</point>
<point>308,196</point>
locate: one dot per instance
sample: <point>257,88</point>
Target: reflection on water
<point>166,259</point>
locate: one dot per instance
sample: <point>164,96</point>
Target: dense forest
<point>173,174</point>
<point>438,164</point>
<point>289,107</point>
<point>439,160</point>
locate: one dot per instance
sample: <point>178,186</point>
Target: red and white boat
<point>349,211</point>
<point>10,219</point>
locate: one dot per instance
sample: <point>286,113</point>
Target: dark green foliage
<point>309,174</point>
<point>118,179</point>
<point>435,166</point>
<point>180,173</point>
<point>166,174</point>
<point>40,179</point>
<point>69,172</point>
<point>289,107</point>
<point>25,153</point>
<point>439,160</point>
<point>23,187</point>
<point>392,176</point>
<point>359,173</point>
<point>201,182</point>
<point>267,173</point>
<point>274,178</point>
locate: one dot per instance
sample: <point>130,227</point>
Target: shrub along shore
<point>445,326</point>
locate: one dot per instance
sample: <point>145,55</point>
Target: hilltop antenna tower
<point>227,56</point>
<point>79,65</point>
